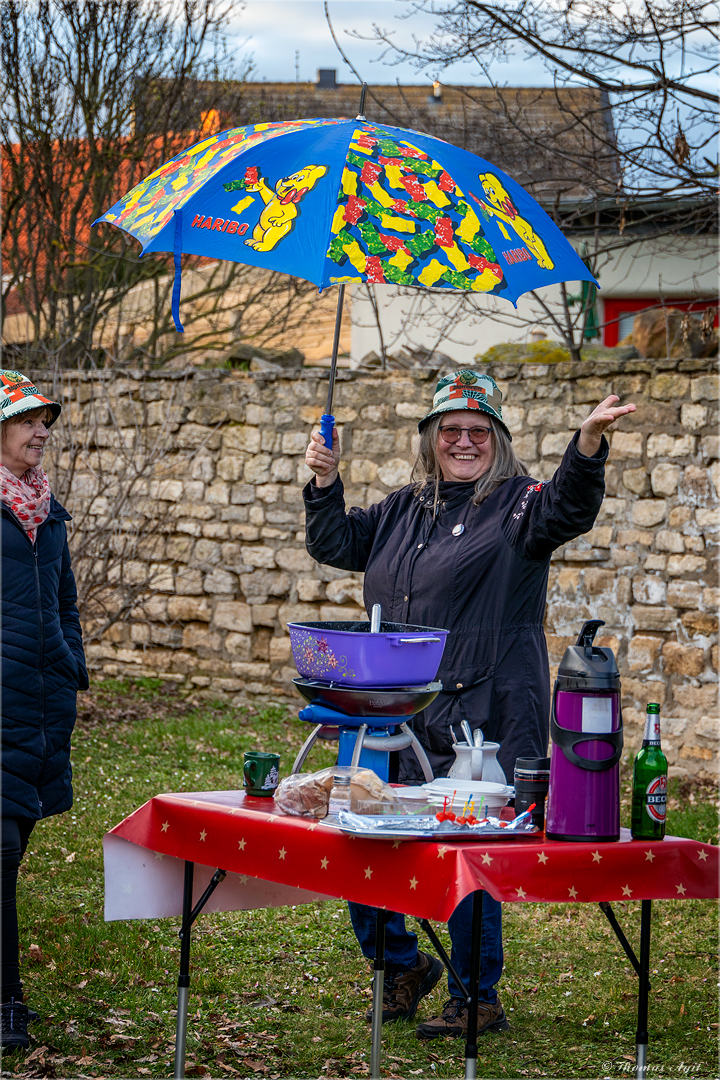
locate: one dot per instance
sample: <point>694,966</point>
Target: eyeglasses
<point>478,435</point>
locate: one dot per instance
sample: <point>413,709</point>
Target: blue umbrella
<point>339,202</point>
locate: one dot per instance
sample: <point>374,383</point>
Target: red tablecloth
<point>427,879</point>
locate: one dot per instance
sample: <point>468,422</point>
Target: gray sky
<point>275,29</point>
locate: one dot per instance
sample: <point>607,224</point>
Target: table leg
<point>641,1035</point>
<point>183,977</point>
<point>475,960</point>
<point>378,988</point>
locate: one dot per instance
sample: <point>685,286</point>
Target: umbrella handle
<point>327,423</point>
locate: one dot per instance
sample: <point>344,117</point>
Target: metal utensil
<point>467,732</point>
<point>375,619</point>
<point>478,737</point>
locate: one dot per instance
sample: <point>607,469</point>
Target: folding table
<point>222,851</point>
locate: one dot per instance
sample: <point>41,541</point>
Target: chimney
<point>436,97</point>
<point>326,79</point>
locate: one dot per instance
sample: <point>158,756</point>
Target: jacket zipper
<point>42,649</point>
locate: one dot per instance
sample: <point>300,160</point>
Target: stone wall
<point>233,570</point>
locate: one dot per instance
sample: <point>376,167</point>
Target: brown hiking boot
<point>402,990</point>
<point>452,1022</point>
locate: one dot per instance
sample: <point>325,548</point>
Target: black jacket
<point>43,667</point>
<point>487,586</point>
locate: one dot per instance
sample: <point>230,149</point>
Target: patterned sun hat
<point>467,389</point>
<point>19,395</point>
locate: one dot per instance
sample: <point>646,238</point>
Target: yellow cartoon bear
<point>501,206</point>
<point>281,205</point>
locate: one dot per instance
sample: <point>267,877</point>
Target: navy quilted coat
<point>43,667</point>
<point>480,572</point>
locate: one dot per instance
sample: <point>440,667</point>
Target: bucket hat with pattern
<point>470,390</point>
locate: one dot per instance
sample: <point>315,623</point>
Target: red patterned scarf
<point>27,497</point>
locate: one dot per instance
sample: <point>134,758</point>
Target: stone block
<point>649,512</point>
<point>598,581</point>
<point>179,548</point>
<point>258,556</point>
<point>373,441</point>
<point>711,598</point>
<point>394,473</point>
<point>682,659</point>
<point>693,417</point>
<point>241,437</point>
<point>626,444</point>
<point>258,415</point>
<point>704,388</point>
<point>703,697</point>
<point>525,446</point>
<point>257,469</point>
<point>708,520</point>
<point>708,727</point>
<point>206,552</point>
<point>166,490</point>
<point>329,612</point>
<point>339,592</point>
<point>280,650</point>
<point>710,447</point>
<point>667,540</point>
<point>671,446</point>
<point>592,389</point>
<point>694,543</point>
<point>684,594</point>
<point>585,555</point>
<point>655,562</point>
<point>649,590</point>
<point>363,471</point>
<point>233,615</point>
<point>290,613</point>
<point>268,493</point>
<point>194,490</point>
<point>664,479</point>
<point>244,532</point>
<point>637,481</point>
<point>612,508</point>
<point>295,442</point>
<point>282,470</point>
<point>218,494</point>
<point>220,581</point>
<point>197,636</point>
<point>643,651</point>
<point>678,516</point>
<point>264,614</point>
<point>715,476</point>
<point>296,559</point>
<point>264,583</point>
<point>625,537</point>
<point>408,410</point>
<point>555,444</point>
<point>378,414</point>
<point>669,385</point>
<point>600,536</point>
<point>189,581</point>
<point>189,608</point>
<point>216,530</point>
<point>551,416</point>
<point>568,578</point>
<point>624,558</point>
<point>679,565</point>
<point>309,588</point>
<point>230,467</point>
<point>643,691</point>
<point>653,618</point>
<point>703,623</point>
<point>242,494</point>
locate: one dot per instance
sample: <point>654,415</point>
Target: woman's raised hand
<point>322,460</point>
<point>599,420</point>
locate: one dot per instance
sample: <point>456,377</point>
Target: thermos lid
<point>532,764</point>
<point>586,666</point>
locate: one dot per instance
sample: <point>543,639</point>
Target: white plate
<point>467,788</point>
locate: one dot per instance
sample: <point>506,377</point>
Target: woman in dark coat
<point>43,663</point>
<point>466,547</point>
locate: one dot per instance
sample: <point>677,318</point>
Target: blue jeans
<point>401,945</point>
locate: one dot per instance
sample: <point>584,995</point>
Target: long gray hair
<point>504,464</point>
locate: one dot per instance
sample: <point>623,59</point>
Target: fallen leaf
<point>71,856</point>
<point>81,985</point>
<point>36,955</point>
<point>682,1009</point>
<point>36,1054</point>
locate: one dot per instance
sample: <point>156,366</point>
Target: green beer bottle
<point>649,794</point>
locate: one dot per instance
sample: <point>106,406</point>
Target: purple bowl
<point>346,652</point>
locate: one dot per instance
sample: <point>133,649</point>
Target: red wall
<point>614,308</point>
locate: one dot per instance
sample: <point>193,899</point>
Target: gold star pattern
<point>243,878</point>
<point>627,891</point>
<point>282,852</point>
<point>413,883</point>
<point>649,856</point>
<point>397,843</point>
<point>203,834</point>
<point>368,872</point>
<point>158,855</point>
<point>572,892</point>
<point>542,857</point>
<point>442,851</point>
<point>313,825</point>
<point>521,894</point>
<point>165,826</point>
<point>241,844</point>
<point>596,856</point>
<point>702,855</point>
<point>680,890</point>
<point>487,858</point>
<point>324,863</point>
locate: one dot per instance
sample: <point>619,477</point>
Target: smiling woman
<point>43,663</point>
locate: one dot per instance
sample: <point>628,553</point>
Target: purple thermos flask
<point>587,738</point>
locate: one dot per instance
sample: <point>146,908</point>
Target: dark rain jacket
<point>43,666</point>
<point>486,583</point>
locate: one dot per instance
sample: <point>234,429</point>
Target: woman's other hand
<point>599,420</point>
<point>323,461</point>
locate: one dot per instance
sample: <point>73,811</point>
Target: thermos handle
<point>567,740</point>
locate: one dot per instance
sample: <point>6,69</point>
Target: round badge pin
<point>458,530</point>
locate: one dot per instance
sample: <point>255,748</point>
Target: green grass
<point>281,992</point>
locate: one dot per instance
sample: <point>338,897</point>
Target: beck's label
<point>656,799</point>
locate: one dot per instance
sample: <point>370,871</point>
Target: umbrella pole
<point>327,420</point>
